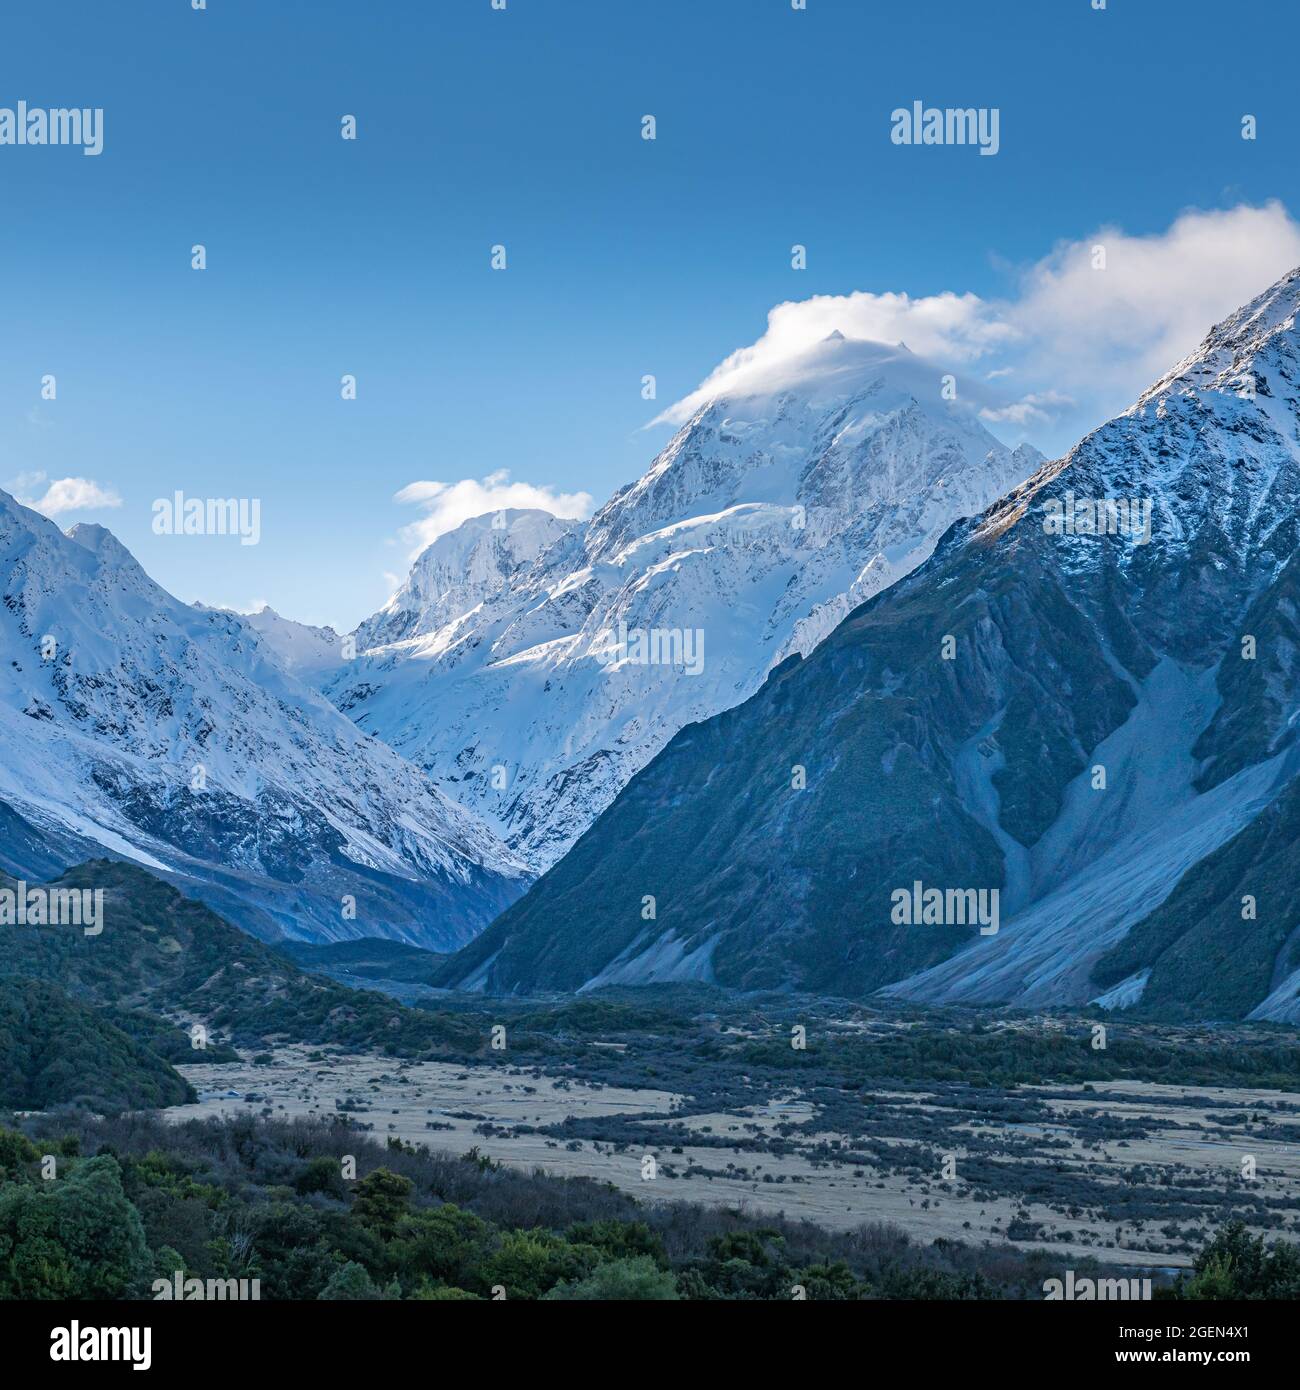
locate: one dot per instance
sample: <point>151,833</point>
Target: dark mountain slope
<point>1083,740</point>
<point>55,1051</point>
<point>1229,934</point>
<point>163,955</point>
<point>26,852</point>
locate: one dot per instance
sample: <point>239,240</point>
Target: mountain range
<point>533,665</point>
<point>138,726</point>
<point>490,714</point>
<point>1094,720</point>
<point>838,657</point>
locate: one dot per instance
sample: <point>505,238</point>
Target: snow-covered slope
<point>174,736</point>
<point>300,648</point>
<point>510,665</point>
<point>463,572</point>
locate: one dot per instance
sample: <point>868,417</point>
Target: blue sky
<point>625,256</point>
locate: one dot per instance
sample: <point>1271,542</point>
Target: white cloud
<point>447,505</point>
<point>63,494</point>
<point>1158,295</point>
<point>1083,343</point>
<point>956,328</point>
<point>1038,407</point>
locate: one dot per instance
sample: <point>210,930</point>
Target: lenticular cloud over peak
<point>1081,333</point>
<point>960,328</point>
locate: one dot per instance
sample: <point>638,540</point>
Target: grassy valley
<point>663,1142</point>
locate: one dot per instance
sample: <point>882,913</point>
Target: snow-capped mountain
<point>173,735</point>
<point>1087,701</point>
<point>534,665</point>
<point>300,648</point>
<point>462,572</point>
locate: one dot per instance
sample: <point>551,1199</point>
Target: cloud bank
<point>1085,330</point>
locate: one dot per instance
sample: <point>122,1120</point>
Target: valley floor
<point>1130,1172</point>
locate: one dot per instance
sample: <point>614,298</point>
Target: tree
<point>289,1251</point>
<point>618,1239</point>
<point>527,1263</point>
<point>381,1201</point>
<point>1236,1265</point>
<point>444,1243</point>
<point>828,1283</point>
<point>72,1237</point>
<point>444,1293</point>
<point>351,1282</point>
<point>17,1152</point>
<point>637,1279</point>
<point>320,1174</point>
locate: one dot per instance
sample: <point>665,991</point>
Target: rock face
<point>171,735</point>
<point>534,665</point>
<point>1101,726</point>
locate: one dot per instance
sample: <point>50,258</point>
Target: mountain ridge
<point>173,736</point>
<point>1073,659</point>
<point>503,666</point>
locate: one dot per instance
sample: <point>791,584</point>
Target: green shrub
<point>637,1279</point>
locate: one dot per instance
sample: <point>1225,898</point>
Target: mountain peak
<point>101,541</point>
<point>1273,310</point>
<point>850,418</point>
<point>19,514</point>
<point>1255,350</point>
<point>1092,746</point>
<point>799,489</point>
<point>520,532</point>
<point>463,568</point>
